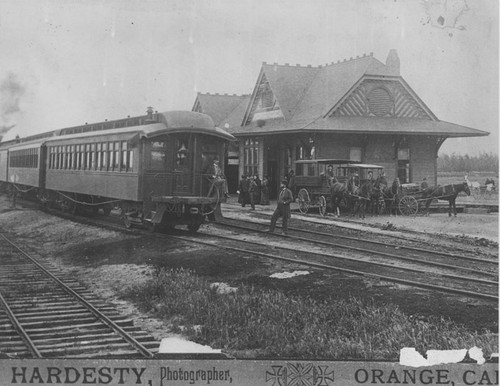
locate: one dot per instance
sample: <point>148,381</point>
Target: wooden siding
<point>25,176</point>
<point>379,150</point>
<point>381,98</point>
<point>423,159</point>
<point>123,186</point>
<point>3,164</point>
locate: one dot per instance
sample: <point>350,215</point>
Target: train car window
<point>111,156</point>
<point>130,167</point>
<point>83,158</point>
<point>61,157</point>
<point>87,157</point>
<point>68,157</point>
<point>124,158</point>
<point>73,157</point>
<point>78,159</point>
<point>58,150</point>
<point>92,156</point>
<point>182,155</point>
<point>99,156</point>
<point>158,155</point>
<point>61,165</point>
<point>105,157</point>
<point>116,163</point>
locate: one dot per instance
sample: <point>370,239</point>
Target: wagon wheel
<point>408,206</point>
<point>304,200</point>
<point>322,205</point>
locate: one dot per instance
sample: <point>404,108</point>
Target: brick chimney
<point>392,62</point>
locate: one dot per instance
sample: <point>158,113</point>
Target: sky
<point>68,62</point>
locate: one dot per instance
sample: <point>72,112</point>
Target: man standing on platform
<point>285,197</point>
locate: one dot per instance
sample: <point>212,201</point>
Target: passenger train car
<point>155,168</point>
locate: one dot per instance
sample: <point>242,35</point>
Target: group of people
<point>254,191</point>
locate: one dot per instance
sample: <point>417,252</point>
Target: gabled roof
<point>311,98</point>
<point>361,125</point>
<point>289,84</point>
<point>333,82</point>
<point>218,106</point>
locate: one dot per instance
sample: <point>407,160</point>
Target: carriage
<point>408,200</point>
<point>487,191</point>
<point>313,179</point>
<point>413,199</point>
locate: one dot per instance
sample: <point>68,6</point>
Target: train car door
<point>183,164</point>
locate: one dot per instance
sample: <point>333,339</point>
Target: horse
<point>338,192</point>
<point>390,194</point>
<point>362,196</point>
<point>446,193</point>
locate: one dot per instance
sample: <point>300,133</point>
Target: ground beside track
<point>108,261</point>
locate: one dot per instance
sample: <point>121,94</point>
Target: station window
<point>404,165</point>
<point>355,154</point>
<point>251,156</point>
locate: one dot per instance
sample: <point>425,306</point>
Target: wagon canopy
<point>333,161</point>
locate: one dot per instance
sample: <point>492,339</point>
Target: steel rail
<point>358,249</point>
<point>416,249</point>
<point>495,262</point>
<point>346,270</point>
<point>19,328</point>
<point>114,326</point>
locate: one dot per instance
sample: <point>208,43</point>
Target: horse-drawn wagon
<point>315,178</point>
<point>413,199</point>
<point>408,200</point>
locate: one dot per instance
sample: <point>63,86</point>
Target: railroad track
<point>306,255</point>
<point>475,278</point>
<point>397,251</point>
<point>46,315</point>
<point>419,267</point>
<point>408,238</point>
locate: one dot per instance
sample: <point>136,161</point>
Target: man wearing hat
<point>285,197</point>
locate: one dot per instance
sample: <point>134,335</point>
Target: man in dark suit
<point>285,197</point>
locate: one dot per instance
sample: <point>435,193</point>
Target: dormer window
<point>266,100</point>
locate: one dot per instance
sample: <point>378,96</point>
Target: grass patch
<point>267,323</point>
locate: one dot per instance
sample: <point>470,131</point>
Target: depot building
<point>359,109</point>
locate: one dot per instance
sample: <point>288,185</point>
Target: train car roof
<point>170,122</point>
<point>182,121</point>
<point>25,145</point>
